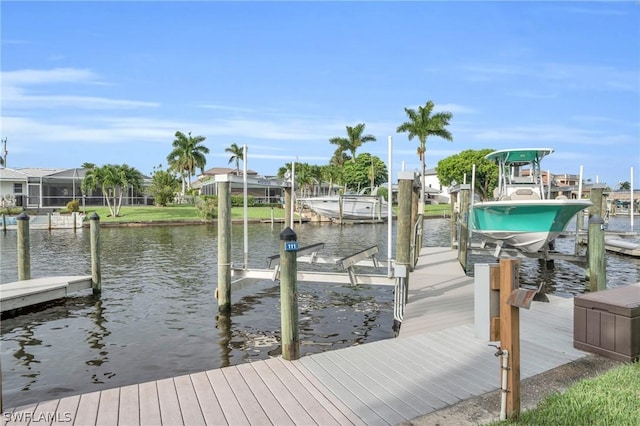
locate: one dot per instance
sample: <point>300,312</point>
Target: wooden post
<point>597,261</point>
<point>403,233</point>
<point>289,295</point>
<point>287,206</point>
<point>4,223</point>
<point>596,197</point>
<point>510,333</point>
<point>49,221</point>
<point>24,248</point>
<point>96,276</point>
<point>579,226</point>
<point>223,292</point>
<point>463,233</point>
<point>454,220</point>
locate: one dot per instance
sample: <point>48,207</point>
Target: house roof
<point>225,171</point>
<point>12,174</point>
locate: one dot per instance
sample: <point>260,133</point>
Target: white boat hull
<point>348,207</point>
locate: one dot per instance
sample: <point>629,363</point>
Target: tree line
<point>345,168</point>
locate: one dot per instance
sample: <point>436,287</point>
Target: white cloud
<point>56,75</point>
<point>570,76</point>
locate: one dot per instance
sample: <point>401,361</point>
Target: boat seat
<point>524,194</point>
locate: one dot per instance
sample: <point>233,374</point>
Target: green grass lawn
<point>190,213</point>
<point>437,210</point>
<point>176,213</point>
<point>610,399</point>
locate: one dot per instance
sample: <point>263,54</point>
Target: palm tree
<point>87,165</point>
<point>422,124</point>
<point>187,156</point>
<point>237,154</point>
<point>353,141</point>
<point>113,181</point>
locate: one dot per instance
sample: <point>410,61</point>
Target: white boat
<point>348,206</point>
<point>521,216</point>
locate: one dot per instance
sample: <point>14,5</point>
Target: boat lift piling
<point>403,234</point>
<point>463,221</point>
<point>289,295</point>
<point>223,292</point>
<point>96,275</point>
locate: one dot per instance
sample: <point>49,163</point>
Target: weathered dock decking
<point>20,294</point>
<point>435,362</point>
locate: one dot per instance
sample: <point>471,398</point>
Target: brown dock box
<point>608,323</point>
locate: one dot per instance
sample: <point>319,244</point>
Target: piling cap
<point>288,234</point>
<point>22,216</point>
<point>596,219</point>
<point>94,216</point>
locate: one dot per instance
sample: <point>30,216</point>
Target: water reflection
<point>223,323</point>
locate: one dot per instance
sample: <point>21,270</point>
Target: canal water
<point>157,315</point>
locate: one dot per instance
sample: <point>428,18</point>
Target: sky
<point>111,82</point>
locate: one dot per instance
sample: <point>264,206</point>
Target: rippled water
<point>157,316</point>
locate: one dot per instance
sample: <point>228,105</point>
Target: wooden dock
<point>435,362</point>
<point>21,294</point>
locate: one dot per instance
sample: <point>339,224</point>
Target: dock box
<point>608,323</point>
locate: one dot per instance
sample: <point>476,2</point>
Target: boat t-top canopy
<point>518,156</point>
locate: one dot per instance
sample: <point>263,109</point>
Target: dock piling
<point>403,238</point>
<point>223,292</point>
<point>96,276</point>
<point>289,295</point>
<point>463,219</point>
<point>24,248</point>
<point>597,262</point>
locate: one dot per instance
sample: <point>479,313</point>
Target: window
<point>17,188</point>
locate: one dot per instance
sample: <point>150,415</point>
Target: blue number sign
<point>291,246</point>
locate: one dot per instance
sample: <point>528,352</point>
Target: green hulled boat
<point>521,216</point>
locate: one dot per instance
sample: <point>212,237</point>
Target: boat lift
<point>309,254</point>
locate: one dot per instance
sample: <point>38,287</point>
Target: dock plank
<point>188,401</point>
<point>207,399</point>
<point>334,403</point>
<point>67,410</point>
<point>306,399</point>
<point>128,411</point>
<point>348,390</point>
<point>108,407</point>
<point>87,413</point>
<point>168,399</point>
<point>274,411</point>
<point>231,408</point>
<point>244,394</point>
<point>291,405</point>
<point>149,404</point>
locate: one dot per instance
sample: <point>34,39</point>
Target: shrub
<point>73,206</point>
<point>208,207</point>
<point>238,201</point>
<point>383,192</point>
